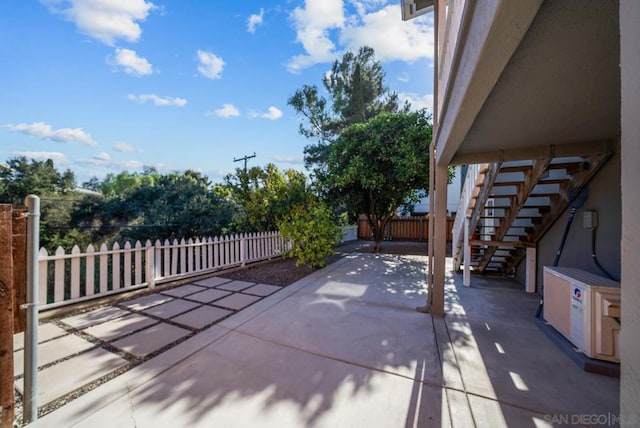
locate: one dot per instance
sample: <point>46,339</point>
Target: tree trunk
<point>378,226</point>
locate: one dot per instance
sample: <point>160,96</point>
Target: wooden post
<point>430,225</point>
<point>530,263</point>
<point>20,268</point>
<point>466,277</point>
<point>440,241</point>
<point>6,316</point>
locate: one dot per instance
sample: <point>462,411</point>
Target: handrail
<point>466,200</point>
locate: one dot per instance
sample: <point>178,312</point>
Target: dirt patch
<point>280,272</point>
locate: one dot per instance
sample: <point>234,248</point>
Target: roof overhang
<point>545,78</point>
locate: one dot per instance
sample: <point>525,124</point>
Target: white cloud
<point>56,157</point>
<point>210,65</point>
<point>325,28</point>
<point>313,24</point>
<point>391,38</point>
<point>159,101</point>
<point>44,131</point>
<point>227,110</point>
<point>104,20</point>
<point>217,174</point>
<point>364,6</point>
<point>417,101</point>
<point>273,113</point>
<point>123,147</point>
<point>403,77</point>
<point>254,20</point>
<point>130,62</point>
<point>103,156</point>
<point>288,159</point>
<point>117,165</point>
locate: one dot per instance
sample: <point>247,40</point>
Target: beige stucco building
<point>544,98</point>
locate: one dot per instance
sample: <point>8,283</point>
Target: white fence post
<point>167,258</point>
<point>183,256</point>
<point>216,252</point>
<point>150,274</point>
<point>127,264</point>
<point>43,276</point>
<point>157,260</point>
<point>189,256</point>
<point>138,262</point>
<point>75,272</point>
<point>77,276</point>
<point>175,250</point>
<point>104,264</point>
<point>209,253</point>
<point>243,250</point>
<point>197,251</point>
<point>90,268</point>
<point>58,276</point>
<point>115,267</point>
<point>225,246</point>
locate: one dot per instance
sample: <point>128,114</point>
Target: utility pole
<point>245,159</point>
<point>244,180</point>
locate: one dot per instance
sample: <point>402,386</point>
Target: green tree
<point>150,205</point>
<point>21,177</point>
<point>375,167</point>
<point>268,199</point>
<point>356,93</point>
<point>263,195</point>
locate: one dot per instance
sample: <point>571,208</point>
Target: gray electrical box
<point>590,219</point>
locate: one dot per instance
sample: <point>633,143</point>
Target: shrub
<point>312,232</point>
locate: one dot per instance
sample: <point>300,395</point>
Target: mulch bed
<point>280,272</point>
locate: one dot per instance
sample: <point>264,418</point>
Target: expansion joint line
<point>464,386</point>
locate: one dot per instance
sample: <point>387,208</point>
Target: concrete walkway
<point>342,347</point>
<point>99,344</point>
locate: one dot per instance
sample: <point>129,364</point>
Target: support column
<point>466,276</point>
<point>530,263</point>
<point>630,251</point>
<point>430,228</point>
<point>440,240</point>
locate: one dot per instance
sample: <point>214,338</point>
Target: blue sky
<point>103,86</point>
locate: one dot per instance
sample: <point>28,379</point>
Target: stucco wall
<point>630,333</point>
<point>604,197</point>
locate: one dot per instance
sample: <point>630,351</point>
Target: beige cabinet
<point>584,308</point>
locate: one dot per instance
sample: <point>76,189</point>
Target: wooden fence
<point>403,229</point>
<point>78,276</point>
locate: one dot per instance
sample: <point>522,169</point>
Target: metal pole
<point>31,333</point>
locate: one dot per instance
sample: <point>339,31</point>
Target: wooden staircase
<point>512,204</point>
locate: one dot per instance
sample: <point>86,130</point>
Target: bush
<point>312,233</point>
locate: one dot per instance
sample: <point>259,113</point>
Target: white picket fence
<point>71,278</point>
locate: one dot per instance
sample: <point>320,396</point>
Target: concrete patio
<point>345,347</point>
